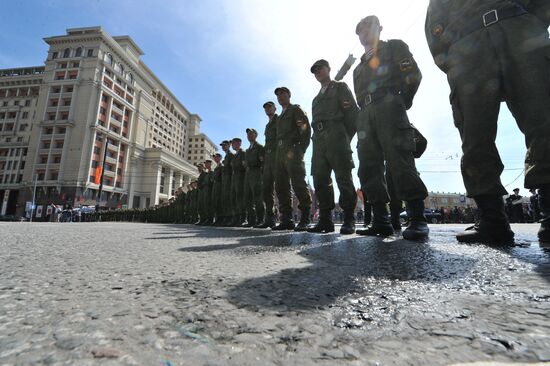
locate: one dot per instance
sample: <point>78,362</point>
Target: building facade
<point>95,109</point>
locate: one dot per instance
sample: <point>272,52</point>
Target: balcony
<point>109,173</point>
<point>118,110</point>
<point>116,122</point>
<point>112,147</point>
<point>110,160</point>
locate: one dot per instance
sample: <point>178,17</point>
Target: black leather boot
<point>304,221</point>
<point>493,226</point>
<point>325,224</point>
<point>286,223</point>
<point>396,208</point>
<point>367,218</point>
<point>418,225</point>
<point>380,225</point>
<point>544,202</point>
<point>348,227</point>
<point>269,222</point>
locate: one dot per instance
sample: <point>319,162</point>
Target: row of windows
<point>13,152</point>
<point>69,52</point>
<point>119,68</point>
<point>12,165</point>
<point>26,103</point>
<point>11,179</point>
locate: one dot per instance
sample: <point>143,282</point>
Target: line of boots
<point>382,226</point>
<point>493,227</point>
<point>326,225</point>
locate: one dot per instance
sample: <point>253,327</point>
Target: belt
<point>489,18</point>
<point>319,126</point>
<point>377,95</point>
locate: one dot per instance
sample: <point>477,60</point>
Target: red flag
<point>97,177</point>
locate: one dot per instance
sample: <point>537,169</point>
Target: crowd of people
<point>491,51</point>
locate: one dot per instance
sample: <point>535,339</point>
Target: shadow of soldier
<point>176,231</point>
<point>337,268</point>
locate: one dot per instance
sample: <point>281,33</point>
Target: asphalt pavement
<point>148,294</point>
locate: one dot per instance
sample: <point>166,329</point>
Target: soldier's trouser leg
<point>257,198</point>
<point>268,183</point>
<point>510,60</point>
<point>282,185</point>
<point>227,210</point>
<point>322,181</point>
<point>388,135</point>
<point>297,171</point>
<point>240,203</point>
<point>249,198</point>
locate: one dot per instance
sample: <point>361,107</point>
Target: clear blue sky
<point>222,59</point>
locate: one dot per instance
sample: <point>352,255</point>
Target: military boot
<point>493,226</point>
<point>367,218</point>
<point>380,225</point>
<point>395,215</point>
<point>250,223</point>
<point>348,227</point>
<point>304,221</point>
<point>286,223</point>
<point>544,202</point>
<point>325,224</point>
<point>418,225</point>
<point>268,222</point>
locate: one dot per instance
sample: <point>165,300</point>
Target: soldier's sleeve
<point>349,107</point>
<point>410,74</point>
<point>359,93</point>
<point>304,129</point>
<point>436,35</point>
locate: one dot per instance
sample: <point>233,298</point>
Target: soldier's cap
<point>252,130</point>
<point>270,103</point>
<point>319,63</point>
<point>282,89</point>
<point>225,142</point>
<point>217,155</point>
<point>236,139</point>
<point>208,161</point>
<point>516,189</point>
<point>371,19</point>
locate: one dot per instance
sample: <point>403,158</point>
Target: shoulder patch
<point>437,30</point>
<point>405,64</point>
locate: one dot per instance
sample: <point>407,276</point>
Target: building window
<point>55,55</point>
<point>27,103</point>
<point>90,53</point>
<point>67,53</point>
<point>78,52</point>
<point>25,115</point>
<point>109,59</point>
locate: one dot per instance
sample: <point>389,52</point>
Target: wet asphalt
<point>126,293</point>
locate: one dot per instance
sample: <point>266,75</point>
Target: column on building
<point>168,187</point>
<point>154,182</point>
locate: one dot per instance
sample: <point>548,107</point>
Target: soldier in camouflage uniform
<point>494,51</point>
<point>206,203</point>
<point>200,192</point>
<point>227,173</point>
<point>385,83</point>
<point>334,125</point>
<point>268,176</point>
<point>293,138</point>
<point>237,183</point>
<point>254,160</point>
<point>217,189</point>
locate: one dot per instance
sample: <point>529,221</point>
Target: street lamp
<point>98,198</point>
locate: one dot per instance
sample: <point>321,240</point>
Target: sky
<point>223,59</point>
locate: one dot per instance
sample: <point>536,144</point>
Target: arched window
<point>130,78</point>
<point>67,53</point>
<point>109,59</point>
<point>120,68</point>
<point>78,52</point>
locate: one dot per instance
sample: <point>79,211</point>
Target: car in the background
<point>432,216</point>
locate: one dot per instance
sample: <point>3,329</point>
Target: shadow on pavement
<point>336,268</point>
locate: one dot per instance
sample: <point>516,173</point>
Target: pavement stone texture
<point>146,294</point>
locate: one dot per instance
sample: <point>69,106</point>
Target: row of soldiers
<point>491,51</point>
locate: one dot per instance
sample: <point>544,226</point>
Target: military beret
<point>270,103</point>
<point>282,89</point>
<point>319,63</point>
<point>236,139</point>
<point>371,19</point>
<point>251,130</point>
